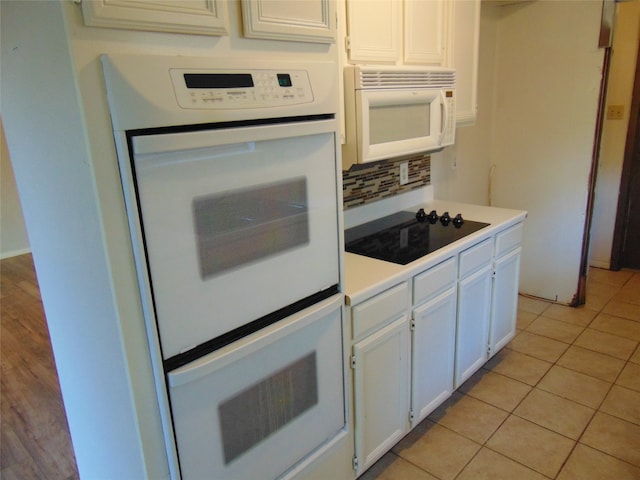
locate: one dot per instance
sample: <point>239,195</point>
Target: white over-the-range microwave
<point>391,111</point>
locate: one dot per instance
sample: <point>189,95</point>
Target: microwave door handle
<point>444,115</point>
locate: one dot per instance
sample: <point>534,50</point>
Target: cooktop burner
<point>405,236</point>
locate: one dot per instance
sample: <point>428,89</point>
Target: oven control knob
<point>433,216</point>
<point>445,219</point>
<point>420,216</point>
<point>458,221</point>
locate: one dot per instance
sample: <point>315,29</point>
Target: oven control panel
<point>233,89</point>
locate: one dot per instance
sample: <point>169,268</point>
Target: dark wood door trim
<point>633,137</point>
<point>581,293</point>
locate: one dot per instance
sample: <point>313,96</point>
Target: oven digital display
<point>284,80</point>
<point>219,80</point>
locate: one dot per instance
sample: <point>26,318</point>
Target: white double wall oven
<point>230,177</point>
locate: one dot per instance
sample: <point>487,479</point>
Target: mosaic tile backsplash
<point>370,182</point>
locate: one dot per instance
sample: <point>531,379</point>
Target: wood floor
<point>35,441</point>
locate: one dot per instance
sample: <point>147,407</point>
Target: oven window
<point>391,123</point>
<point>251,416</point>
<point>241,226</point>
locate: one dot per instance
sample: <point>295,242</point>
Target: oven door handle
<point>217,360</point>
<point>174,142</point>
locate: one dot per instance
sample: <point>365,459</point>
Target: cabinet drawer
<point>434,280</point>
<point>508,239</point>
<point>475,257</point>
<point>380,309</point>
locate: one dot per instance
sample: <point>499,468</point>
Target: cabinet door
<point>374,30</point>
<point>204,18</point>
<point>466,35</point>
<point>472,336</point>
<point>381,377</point>
<point>308,21</point>
<point>433,348</point>
<point>425,31</point>
<point>504,303</point>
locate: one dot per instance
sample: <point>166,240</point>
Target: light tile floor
<point>561,401</point>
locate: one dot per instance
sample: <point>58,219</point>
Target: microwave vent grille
<point>406,79</point>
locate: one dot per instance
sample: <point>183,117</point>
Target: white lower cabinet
<point>381,366</point>
<point>433,347</point>
<point>487,300</point>
<point>381,380</point>
<point>474,308</point>
<point>463,311</point>
<point>504,300</point>
<point>504,303</point>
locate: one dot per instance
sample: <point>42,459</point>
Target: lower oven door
<point>258,408</point>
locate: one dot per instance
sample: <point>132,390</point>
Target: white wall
<point>13,233</point>
<point>468,180</point>
<point>549,69</point>
<point>474,151</point>
<point>110,405</point>
<point>619,92</point>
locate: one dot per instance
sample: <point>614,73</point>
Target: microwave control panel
<point>450,128</point>
<point>233,89</point>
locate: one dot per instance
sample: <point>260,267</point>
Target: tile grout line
<point>509,415</point>
<point>522,400</point>
<point>612,384</point>
<point>573,342</point>
<point>595,410</point>
<point>555,363</point>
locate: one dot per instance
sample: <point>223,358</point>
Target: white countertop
<point>365,277</point>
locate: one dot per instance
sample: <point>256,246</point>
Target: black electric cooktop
<point>406,236</point>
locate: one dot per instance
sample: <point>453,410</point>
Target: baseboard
<point>14,253</point>
<point>600,264</point>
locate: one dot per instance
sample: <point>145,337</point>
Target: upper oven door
<point>236,223</point>
<point>391,123</point>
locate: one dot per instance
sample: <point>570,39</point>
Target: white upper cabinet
<point>464,53</point>
<point>292,20</point>
<point>374,29</point>
<point>425,31</point>
<point>418,32</point>
<point>204,17</point>
<point>397,31</point>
